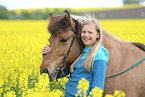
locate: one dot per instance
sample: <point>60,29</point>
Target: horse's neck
<point>109,41</point>
<point>112,44</point>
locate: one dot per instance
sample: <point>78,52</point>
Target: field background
<point>21,43</point>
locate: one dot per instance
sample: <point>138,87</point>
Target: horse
<point>66,46</point>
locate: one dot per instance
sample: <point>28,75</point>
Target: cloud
<point>27,4</point>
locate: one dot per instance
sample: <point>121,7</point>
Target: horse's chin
<point>53,75</point>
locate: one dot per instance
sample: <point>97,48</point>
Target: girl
<point>91,64</point>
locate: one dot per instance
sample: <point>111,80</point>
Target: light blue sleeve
<point>101,55</point>
<point>99,72</point>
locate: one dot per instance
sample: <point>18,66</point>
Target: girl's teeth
<point>86,39</point>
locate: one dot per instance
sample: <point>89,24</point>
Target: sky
<point>34,4</point>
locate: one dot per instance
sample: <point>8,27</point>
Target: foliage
<point>40,14</point>
<point>96,92</point>
<point>83,87</point>
<point>3,12</point>
<point>36,14</point>
<point>21,54</point>
<point>44,13</point>
<point>131,1</point>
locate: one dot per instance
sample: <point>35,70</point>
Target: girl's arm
<point>46,49</point>
<point>99,72</point>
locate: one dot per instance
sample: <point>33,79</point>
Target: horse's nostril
<point>45,71</point>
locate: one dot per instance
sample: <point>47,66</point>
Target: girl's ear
<point>98,34</point>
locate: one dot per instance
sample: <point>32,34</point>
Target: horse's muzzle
<point>45,71</point>
<point>52,76</point>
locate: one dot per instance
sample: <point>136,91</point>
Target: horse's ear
<point>50,16</point>
<point>68,18</point>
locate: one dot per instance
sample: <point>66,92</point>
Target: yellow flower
<point>10,94</point>
<point>119,93</point>
<point>76,95</point>
<point>109,95</point>
<point>20,49</point>
<point>1,82</point>
<point>83,86</point>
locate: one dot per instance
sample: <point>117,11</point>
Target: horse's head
<point>64,32</point>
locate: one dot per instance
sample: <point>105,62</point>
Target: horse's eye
<point>63,40</point>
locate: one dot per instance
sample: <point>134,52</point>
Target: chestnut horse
<point>66,47</point>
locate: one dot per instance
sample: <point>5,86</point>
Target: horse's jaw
<point>53,75</point>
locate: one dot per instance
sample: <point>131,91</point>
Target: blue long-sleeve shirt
<point>96,77</point>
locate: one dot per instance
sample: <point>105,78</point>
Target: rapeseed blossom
<point>83,87</point>
<point>96,92</point>
<point>119,93</point>
<point>21,43</point>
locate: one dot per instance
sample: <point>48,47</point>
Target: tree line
<point>38,14</point>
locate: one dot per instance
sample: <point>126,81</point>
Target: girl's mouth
<point>86,39</point>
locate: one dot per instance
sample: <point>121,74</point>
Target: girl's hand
<point>46,49</point>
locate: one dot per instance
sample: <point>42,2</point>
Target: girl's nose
<point>86,34</point>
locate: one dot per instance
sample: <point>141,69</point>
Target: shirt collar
<point>87,49</point>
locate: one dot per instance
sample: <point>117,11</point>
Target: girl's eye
<point>90,32</point>
<point>63,40</point>
<point>83,32</point>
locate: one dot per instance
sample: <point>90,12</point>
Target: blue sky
<point>33,4</point>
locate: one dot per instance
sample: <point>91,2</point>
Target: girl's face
<point>89,35</point>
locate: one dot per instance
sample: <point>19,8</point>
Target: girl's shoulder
<point>102,54</point>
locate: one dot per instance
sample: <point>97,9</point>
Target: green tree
<point>25,15</point>
<point>131,1</point>
<point>12,15</point>
<point>45,14</point>
<point>3,12</point>
<point>36,15</point>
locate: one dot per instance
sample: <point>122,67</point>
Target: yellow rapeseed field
<point>21,43</point>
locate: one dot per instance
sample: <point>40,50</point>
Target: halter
<point>63,61</point>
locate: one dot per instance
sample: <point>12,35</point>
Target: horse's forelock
<point>57,25</point>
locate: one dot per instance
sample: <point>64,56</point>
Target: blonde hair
<point>89,60</point>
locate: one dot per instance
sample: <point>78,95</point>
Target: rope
<point>59,84</point>
<point>126,69</point>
